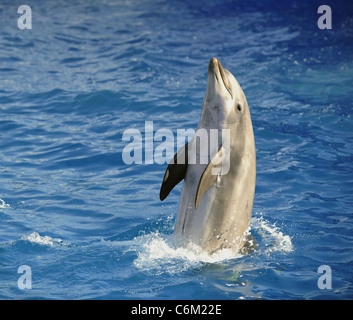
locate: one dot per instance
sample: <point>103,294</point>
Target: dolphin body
<point>215,207</point>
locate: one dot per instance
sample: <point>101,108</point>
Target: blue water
<point>90,226</point>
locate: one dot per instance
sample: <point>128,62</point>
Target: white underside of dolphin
<point>219,184</point>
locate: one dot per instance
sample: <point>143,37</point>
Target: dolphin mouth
<point>216,68</point>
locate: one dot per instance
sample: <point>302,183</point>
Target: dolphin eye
<point>239,107</point>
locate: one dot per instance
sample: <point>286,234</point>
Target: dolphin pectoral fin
<point>208,178</point>
<point>175,172</point>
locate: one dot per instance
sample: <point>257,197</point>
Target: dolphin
<point>215,206</point>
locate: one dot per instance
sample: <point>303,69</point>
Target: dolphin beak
<point>214,65</point>
<point>216,70</point>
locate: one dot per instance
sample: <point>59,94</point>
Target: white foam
<point>3,204</point>
<point>271,234</point>
<point>35,237</point>
<point>159,255</point>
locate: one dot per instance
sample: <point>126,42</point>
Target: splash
<point>35,237</point>
<point>271,235</point>
<point>3,204</point>
<point>158,254</point>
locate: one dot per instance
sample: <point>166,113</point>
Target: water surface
<point>92,227</point>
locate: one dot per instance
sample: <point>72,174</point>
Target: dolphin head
<point>225,101</point>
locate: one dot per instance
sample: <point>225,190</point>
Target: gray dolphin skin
<point>215,206</point>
